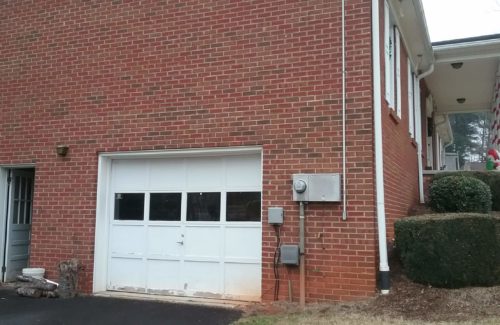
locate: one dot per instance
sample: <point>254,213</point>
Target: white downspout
<point>418,120</point>
<point>344,174</point>
<point>379,161</point>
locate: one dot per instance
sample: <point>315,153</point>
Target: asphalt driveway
<point>100,310</point>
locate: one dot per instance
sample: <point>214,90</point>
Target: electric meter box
<point>316,187</point>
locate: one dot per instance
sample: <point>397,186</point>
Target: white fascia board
<point>483,49</point>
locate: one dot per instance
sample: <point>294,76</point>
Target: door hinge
<point>9,179</point>
<point>4,269</point>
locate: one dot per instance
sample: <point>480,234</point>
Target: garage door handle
<point>180,242</point>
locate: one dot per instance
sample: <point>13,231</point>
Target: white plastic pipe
<point>418,133</point>
<point>379,161</point>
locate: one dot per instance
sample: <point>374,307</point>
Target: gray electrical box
<point>316,187</point>
<point>275,215</point>
<point>289,254</point>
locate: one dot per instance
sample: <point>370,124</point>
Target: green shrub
<point>459,194</point>
<point>491,178</point>
<point>450,250</point>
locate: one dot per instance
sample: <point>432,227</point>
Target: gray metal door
<point>19,223</point>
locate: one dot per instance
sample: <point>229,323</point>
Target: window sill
<point>394,116</point>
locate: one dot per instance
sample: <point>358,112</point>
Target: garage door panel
<point>164,277</point>
<point>204,173</point>
<point>167,174</point>
<point>128,240</point>
<point>242,280</point>
<point>163,242</point>
<point>250,178</point>
<point>243,243</point>
<point>127,274</point>
<point>197,230</point>
<point>203,242</point>
<point>202,278</point>
<point>129,174</point>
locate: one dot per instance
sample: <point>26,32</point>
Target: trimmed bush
<point>450,250</point>
<point>491,178</point>
<point>459,194</point>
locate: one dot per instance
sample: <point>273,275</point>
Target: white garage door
<point>186,226</point>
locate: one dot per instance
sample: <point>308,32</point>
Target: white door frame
<point>103,187</point>
<point>4,174</point>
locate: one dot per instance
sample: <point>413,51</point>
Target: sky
<point>454,19</point>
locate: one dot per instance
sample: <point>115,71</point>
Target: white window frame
<point>418,119</point>
<point>388,56</point>
<point>392,55</point>
<point>411,101</point>
<point>397,58</point>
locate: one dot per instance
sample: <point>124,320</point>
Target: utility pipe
<point>344,72</point>
<point>418,120</point>
<point>379,161</point>
<point>302,268</point>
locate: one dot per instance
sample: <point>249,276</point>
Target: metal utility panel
<point>316,187</point>
<point>289,254</point>
<point>275,215</point>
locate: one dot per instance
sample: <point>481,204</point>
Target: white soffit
<point>474,80</point>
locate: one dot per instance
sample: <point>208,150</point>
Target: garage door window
<point>243,206</point>
<point>165,207</point>
<point>203,206</point>
<point>129,206</point>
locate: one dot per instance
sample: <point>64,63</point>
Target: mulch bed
<point>415,301</point>
<point>407,300</point>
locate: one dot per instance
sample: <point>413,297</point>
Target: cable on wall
<point>276,261</point>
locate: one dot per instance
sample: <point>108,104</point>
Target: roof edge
<point>482,39</point>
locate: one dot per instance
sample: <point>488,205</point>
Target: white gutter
<point>426,73</point>
<point>379,161</point>
<point>418,121</point>
<point>344,174</point>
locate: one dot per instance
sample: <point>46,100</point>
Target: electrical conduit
<point>302,265</point>
<point>344,174</point>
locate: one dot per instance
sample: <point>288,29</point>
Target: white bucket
<point>36,272</point>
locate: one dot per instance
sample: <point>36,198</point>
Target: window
<point>392,47</point>
<point>165,206</point>
<point>389,57</point>
<point>397,58</point>
<point>129,206</point>
<point>411,101</point>
<point>243,206</point>
<point>203,206</point>
<point>22,200</point>
<point>416,109</point>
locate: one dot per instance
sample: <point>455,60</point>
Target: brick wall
<point>400,150</point>
<point>104,76</point>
